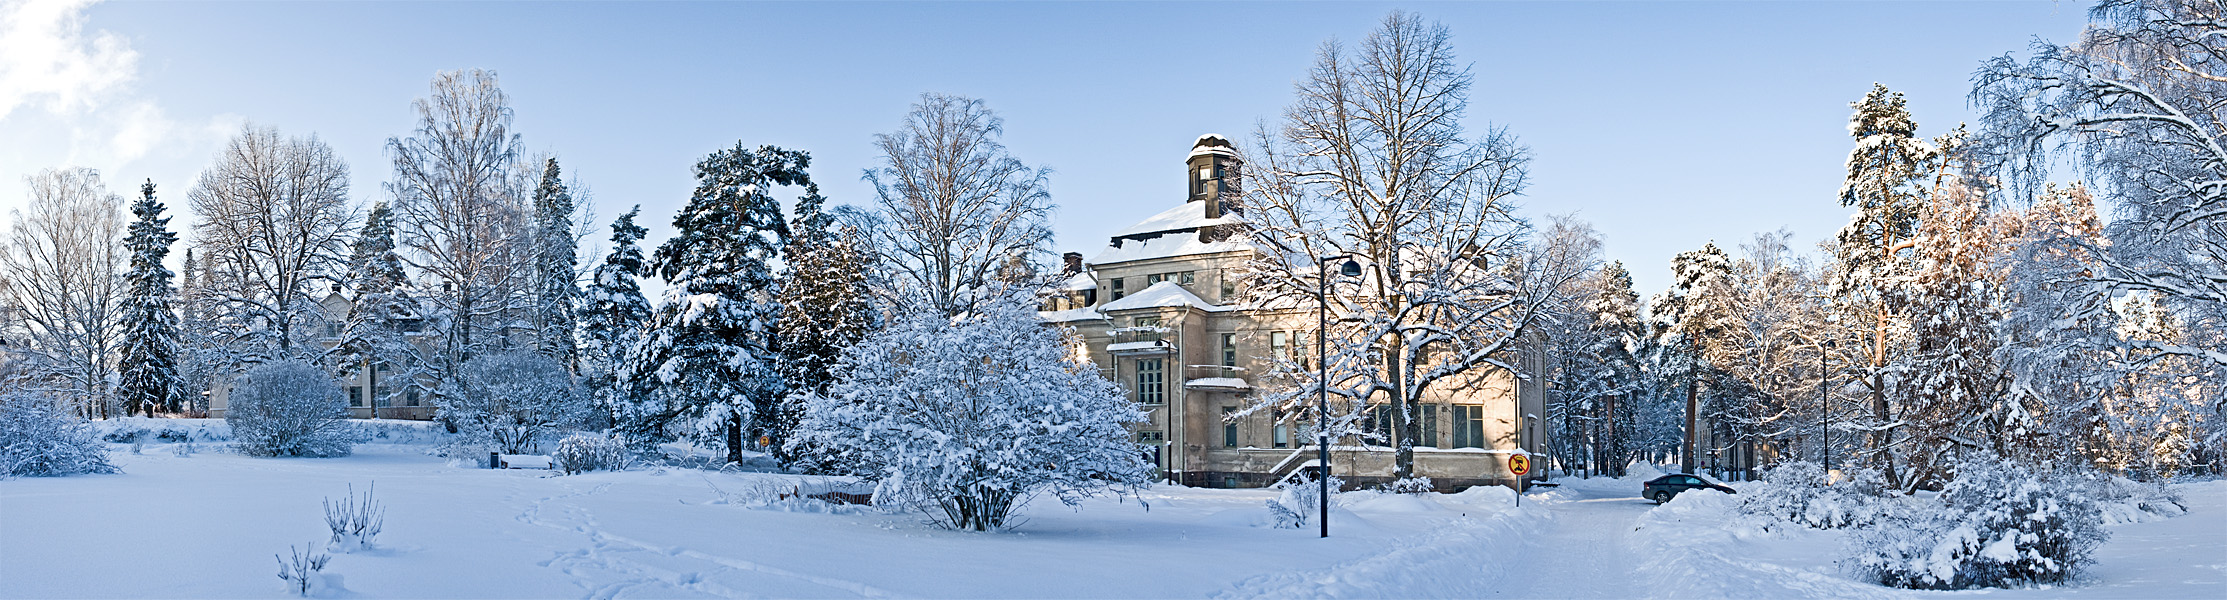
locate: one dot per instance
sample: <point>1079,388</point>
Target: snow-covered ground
<point>206,525</point>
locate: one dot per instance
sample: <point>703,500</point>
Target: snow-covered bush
<point>354,521</point>
<point>2127,501</point>
<point>289,408</point>
<point>40,439</point>
<point>966,418</point>
<point>1798,493</point>
<point>511,402</point>
<point>303,574</point>
<point>584,452</point>
<point>1998,524</point>
<point>1299,501</point>
<point>1411,485</point>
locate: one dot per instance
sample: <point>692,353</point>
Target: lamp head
<point>1350,269</point>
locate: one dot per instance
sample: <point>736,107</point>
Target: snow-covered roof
<point>1188,215</point>
<point>1081,281</point>
<point>1181,244</point>
<point>1162,294</point>
<point>1218,383</point>
<point>1213,143</point>
<point>1131,347</point>
<point>1070,315</point>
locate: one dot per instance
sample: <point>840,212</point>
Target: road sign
<point>1519,464</point>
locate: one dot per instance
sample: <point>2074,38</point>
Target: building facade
<point>1160,312</point>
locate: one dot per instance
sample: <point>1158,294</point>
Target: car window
<point>1689,480</point>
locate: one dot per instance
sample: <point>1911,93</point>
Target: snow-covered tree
<point>289,408</point>
<point>1886,173</point>
<point>968,417</point>
<point>556,267</point>
<point>1998,524</point>
<point>41,438</point>
<point>147,364</point>
<point>62,275</point>
<point>1372,162</point>
<point>612,316</point>
<point>272,222</point>
<point>708,362</point>
<point>511,402</point>
<point>1687,321</point>
<point>461,215</point>
<point>375,334</point>
<point>959,209</point>
<point>1949,384</point>
<point>826,306</point>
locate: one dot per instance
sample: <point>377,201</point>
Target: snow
<point>1080,281</point>
<point>1224,383</point>
<point>1161,295</point>
<point>1183,217</point>
<point>1070,315</point>
<point>1119,347</point>
<point>1166,246</point>
<point>459,531</point>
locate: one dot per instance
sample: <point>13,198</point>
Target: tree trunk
<point>1693,425</point>
<point>1403,421</point>
<point>734,438</point>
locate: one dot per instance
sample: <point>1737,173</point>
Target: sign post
<point>1519,464</point>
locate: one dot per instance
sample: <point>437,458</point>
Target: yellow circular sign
<point>1519,464</point>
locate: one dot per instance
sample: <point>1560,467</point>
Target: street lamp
<point>1825,409</point>
<point>1322,381</point>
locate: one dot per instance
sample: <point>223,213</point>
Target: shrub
<point>1411,485</point>
<point>289,408</point>
<point>1797,493</point>
<point>1997,524</point>
<point>584,452</point>
<point>39,439</point>
<point>510,402</point>
<point>354,521</point>
<point>302,574</point>
<point>1300,501</point>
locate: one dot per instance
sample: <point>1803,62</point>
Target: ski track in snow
<point>610,553</point>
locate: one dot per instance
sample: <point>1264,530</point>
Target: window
<point>1145,321</point>
<point>1279,345</point>
<point>1429,414</point>
<point>411,398</point>
<point>1469,426</point>
<point>355,395</point>
<point>332,330</point>
<point>1380,423</point>
<point>1185,278</point>
<point>1282,430</point>
<point>1229,427</point>
<point>1229,350</point>
<point>1150,383</point>
<point>1229,287</point>
<point>1117,293</point>
<point>1151,437</point>
<point>1154,278</point>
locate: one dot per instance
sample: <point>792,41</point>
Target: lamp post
<point>1322,379</point>
<point>1825,409</point>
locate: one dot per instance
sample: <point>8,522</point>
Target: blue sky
<point>1665,124</point>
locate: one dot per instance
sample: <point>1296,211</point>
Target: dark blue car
<point>1662,489</point>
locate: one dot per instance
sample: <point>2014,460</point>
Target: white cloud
<point>69,97</point>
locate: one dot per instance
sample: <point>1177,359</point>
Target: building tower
<point>1215,174</point>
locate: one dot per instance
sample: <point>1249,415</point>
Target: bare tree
<point>958,209</point>
<point>461,211</point>
<point>1372,162</point>
<point>62,274</point>
<point>273,219</point>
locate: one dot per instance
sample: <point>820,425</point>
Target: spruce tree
<point>555,260</point>
<point>612,315</point>
<point>374,336</point>
<point>148,361</point>
<point>825,310</point>
<point>708,356</point>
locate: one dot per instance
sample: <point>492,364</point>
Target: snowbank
<point>147,430</point>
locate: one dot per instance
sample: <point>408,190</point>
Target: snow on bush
<point>1299,501</point>
<point>40,439</point>
<point>354,521</point>
<point>2127,501</point>
<point>289,408</point>
<point>1998,524</point>
<point>966,418</point>
<point>511,402</point>
<point>304,574</point>
<point>584,452</point>
<point>1411,485</point>
<point>1798,493</point>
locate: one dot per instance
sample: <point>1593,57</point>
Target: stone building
<point>1160,311</point>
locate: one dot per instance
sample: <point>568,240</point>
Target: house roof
<point>1160,295</point>
<point>1182,217</point>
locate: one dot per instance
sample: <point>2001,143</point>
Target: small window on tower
<point>1117,293</point>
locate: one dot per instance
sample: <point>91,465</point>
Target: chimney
<point>1074,263</point>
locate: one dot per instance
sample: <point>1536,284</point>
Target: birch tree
<point>1372,162</point>
<point>957,208</point>
<point>62,276</point>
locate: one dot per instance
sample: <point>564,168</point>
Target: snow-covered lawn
<point>207,525</point>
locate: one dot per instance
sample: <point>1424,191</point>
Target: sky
<point>1666,125</point>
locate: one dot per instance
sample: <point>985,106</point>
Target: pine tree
<point>612,316</point>
<point>148,361</point>
<point>1885,173</point>
<point>1688,317</point>
<point>556,262</point>
<point>708,357</point>
<point>1617,335</point>
<point>825,309</point>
